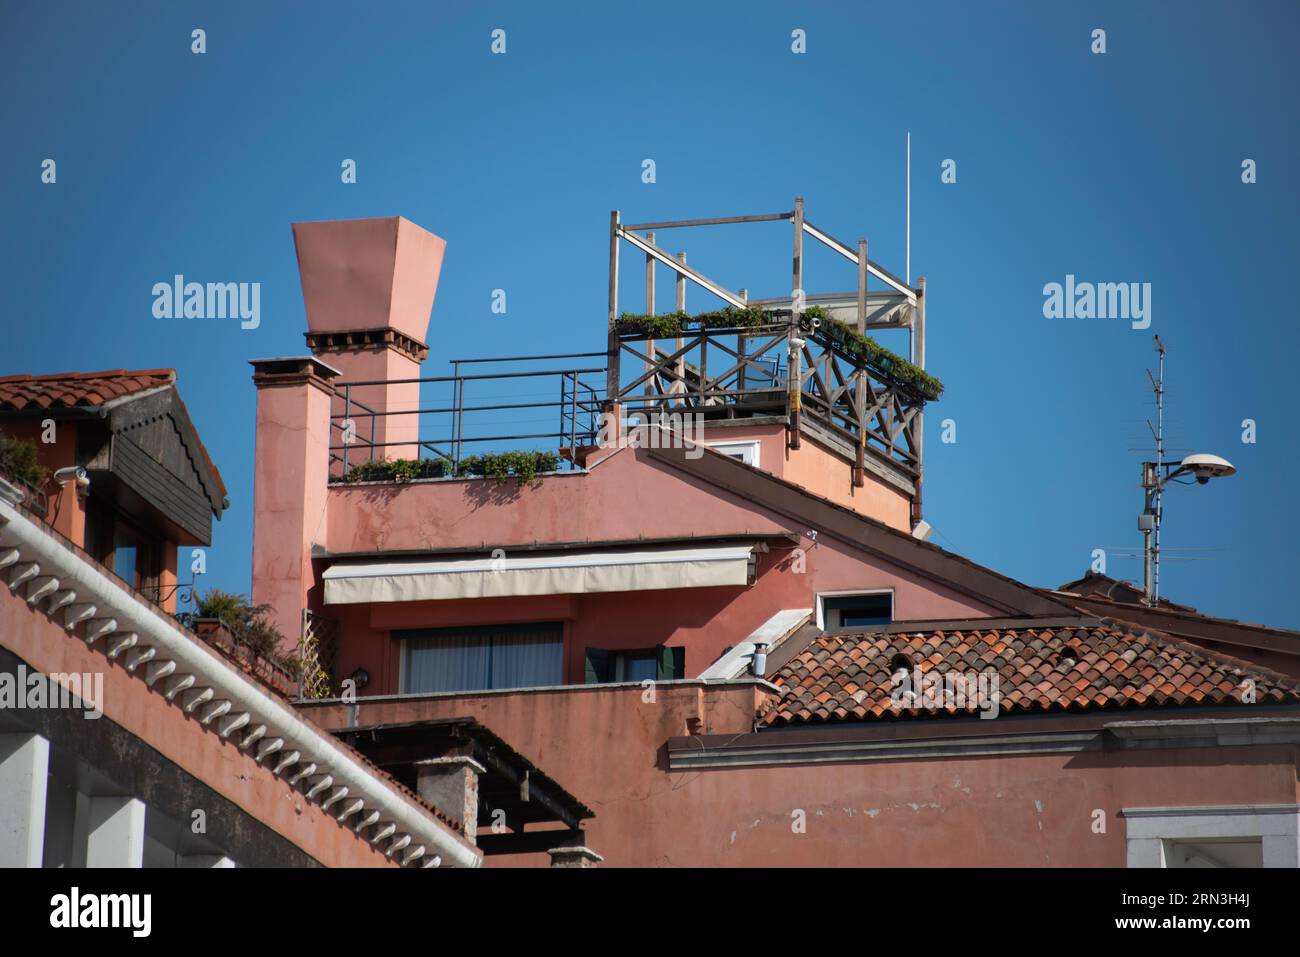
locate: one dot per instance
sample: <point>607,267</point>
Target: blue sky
<point>1122,167</point>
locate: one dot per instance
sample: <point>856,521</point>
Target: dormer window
<point>847,610</point>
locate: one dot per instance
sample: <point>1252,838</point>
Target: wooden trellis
<point>317,656</point>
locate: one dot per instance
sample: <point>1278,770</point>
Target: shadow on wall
<point>477,492</point>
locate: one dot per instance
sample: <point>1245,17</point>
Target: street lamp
<point>1202,466</point>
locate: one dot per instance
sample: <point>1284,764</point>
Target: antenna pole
<point>1154,486</point>
<point>907,255</point>
<point>1160,466</point>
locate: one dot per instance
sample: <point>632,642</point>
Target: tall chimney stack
<point>369,285</point>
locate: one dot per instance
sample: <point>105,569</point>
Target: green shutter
<point>598,666</point>
<point>670,663</point>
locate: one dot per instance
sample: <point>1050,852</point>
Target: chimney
<point>290,483</point>
<point>368,285</point>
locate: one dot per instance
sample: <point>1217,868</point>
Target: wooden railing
<point>740,373</point>
<point>791,366</point>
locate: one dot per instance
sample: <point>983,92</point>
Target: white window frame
<point>749,450</point>
<point>1149,830</point>
<point>853,593</point>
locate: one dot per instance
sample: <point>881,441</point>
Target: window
<point>123,547</point>
<point>1240,835</point>
<point>747,452</point>
<point>1215,854</point>
<point>860,610</point>
<point>482,658</point>
<point>646,664</point>
<point>135,558</point>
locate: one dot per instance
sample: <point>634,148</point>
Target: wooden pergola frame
<point>830,386</point>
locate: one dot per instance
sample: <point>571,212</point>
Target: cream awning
<point>573,573</point>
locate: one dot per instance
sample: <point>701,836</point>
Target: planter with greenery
<point>864,349</point>
<point>670,324</point>
<point>875,356</point>
<point>524,466</point>
<point>18,458</point>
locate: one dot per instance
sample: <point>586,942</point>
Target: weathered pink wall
<point>706,621</point>
<point>610,503</point>
<point>604,745</point>
<point>819,470</point>
<point>627,496</point>
<point>827,474</point>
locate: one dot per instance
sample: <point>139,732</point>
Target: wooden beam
<point>682,269</point>
<point>797,278</point>
<point>794,384</point>
<point>860,386</point>
<point>681,307</point>
<point>650,310</point>
<point>716,221</point>
<point>862,285</point>
<point>612,373</point>
<point>882,274</point>
<point>742,345</point>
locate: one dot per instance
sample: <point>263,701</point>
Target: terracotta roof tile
<point>67,390</point>
<point>1105,666</point>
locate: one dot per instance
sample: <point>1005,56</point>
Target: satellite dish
<point>1206,466</point>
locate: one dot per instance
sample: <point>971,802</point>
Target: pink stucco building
<point>666,603</point>
<point>708,629</point>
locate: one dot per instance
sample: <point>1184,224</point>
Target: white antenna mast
<point>907,257</point>
<point>1202,466</point>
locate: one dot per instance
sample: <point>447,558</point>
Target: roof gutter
<point>220,696</point>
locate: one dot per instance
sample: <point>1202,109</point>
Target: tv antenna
<point>1156,475</point>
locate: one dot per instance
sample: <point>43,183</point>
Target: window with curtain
<point>482,658</point>
<point>661,663</point>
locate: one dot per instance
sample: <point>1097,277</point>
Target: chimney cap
<point>368,274</point>
<point>283,370</point>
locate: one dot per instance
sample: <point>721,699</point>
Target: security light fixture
<point>72,473</point>
<point>1206,466</point>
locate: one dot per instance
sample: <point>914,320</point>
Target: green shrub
<point>396,470</point>
<point>667,325</point>
<point>524,466</point>
<point>875,356</point>
<point>862,348</point>
<point>247,622</point>
<point>501,466</point>
<point>18,458</point>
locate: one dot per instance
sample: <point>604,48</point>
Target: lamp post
<point>1156,475</point>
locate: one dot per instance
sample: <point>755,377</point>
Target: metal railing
<point>483,408</point>
<point>785,365</point>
